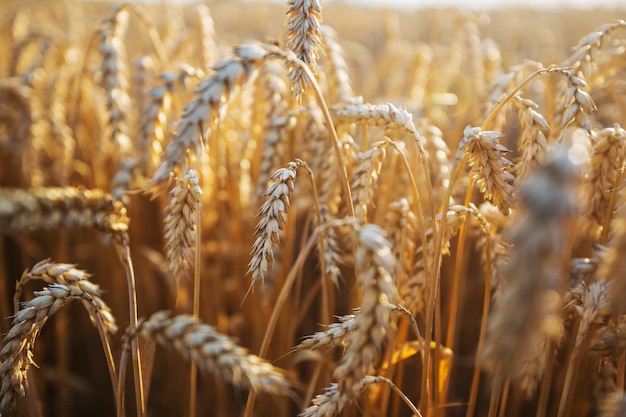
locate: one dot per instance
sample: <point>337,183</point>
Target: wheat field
<point>248,209</point>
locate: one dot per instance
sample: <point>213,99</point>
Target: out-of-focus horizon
<point>479,4</point>
<point>463,4</point>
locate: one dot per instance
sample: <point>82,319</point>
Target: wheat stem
<point>124,253</point>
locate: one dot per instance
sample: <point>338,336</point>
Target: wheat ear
<point>213,352</point>
<point>16,356</point>
<point>44,208</point>
<point>488,166</point>
<point>114,80</point>
<point>532,142</point>
<point>603,173</point>
<point>273,219</point>
<point>339,83</point>
<point>180,225</point>
<point>211,95</point>
<point>303,39</point>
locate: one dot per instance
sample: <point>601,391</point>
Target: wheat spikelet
<point>273,219</point>
<point>211,95</point>
<point>517,338</point>
<point>16,355</point>
<point>578,104</point>
<point>323,162</point>
<point>303,39</point>
<point>213,352</point>
<point>334,335</point>
<point>611,340</point>
<point>328,404</point>
<point>584,58</point>
<point>44,208</point>
<point>376,266</point>
<point>488,166</point>
<point>181,224</point>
